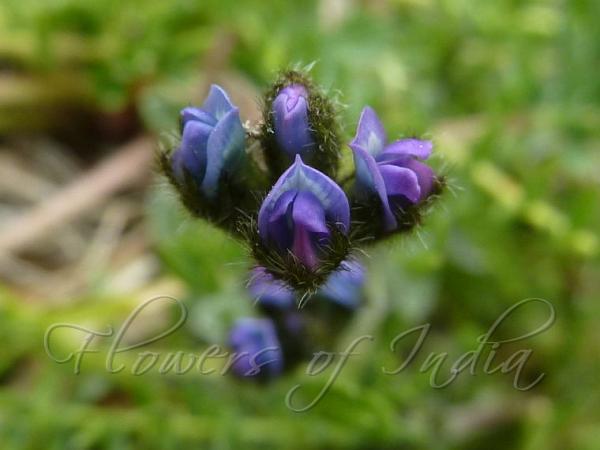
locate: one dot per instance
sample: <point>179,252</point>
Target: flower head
<point>297,214</point>
<point>257,348</point>
<point>212,141</point>
<point>392,171</point>
<point>290,121</point>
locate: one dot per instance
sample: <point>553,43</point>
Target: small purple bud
<point>392,171</point>
<point>257,349</point>
<point>290,121</point>
<point>345,286</point>
<point>270,292</point>
<point>212,141</point>
<point>296,215</point>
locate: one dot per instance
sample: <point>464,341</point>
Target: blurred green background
<point>508,91</point>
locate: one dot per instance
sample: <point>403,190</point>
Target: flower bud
<point>212,142</point>
<point>257,349</point>
<point>269,292</point>
<point>344,286</point>
<point>392,171</point>
<point>299,118</point>
<point>290,121</point>
<point>297,214</point>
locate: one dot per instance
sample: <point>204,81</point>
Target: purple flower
<point>212,141</point>
<point>257,348</point>
<point>344,286</point>
<point>392,171</point>
<point>297,213</point>
<point>268,291</point>
<point>290,121</point>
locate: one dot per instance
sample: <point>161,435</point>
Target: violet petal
<point>370,133</point>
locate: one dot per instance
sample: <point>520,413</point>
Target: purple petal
<point>255,342</point>
<point>308,213</point>
<point>425,175</point>
<point>302,178</point>
<point>224,149</point>
<point>370,181</point>
<point>406,147</point>
<point>309,228</point>
<point>217,103</point>
<point>304,249</point>
<point>279,224</point>
<point>269,291</point>
<point>196,114</point>
<point>290,117</point>
<point>370,134</point>
<point>191,154</point>
<point>400,181</point>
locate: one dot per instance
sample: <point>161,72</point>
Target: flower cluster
<point>266,347</point>
<point>304,233</point>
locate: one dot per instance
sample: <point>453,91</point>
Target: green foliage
<point>508,93</point>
